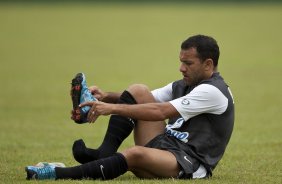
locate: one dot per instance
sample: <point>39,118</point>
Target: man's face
<point>191,67</point>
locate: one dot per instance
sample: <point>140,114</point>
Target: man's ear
<point>208,64</point>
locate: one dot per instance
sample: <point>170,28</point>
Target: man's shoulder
<point>216,80</point>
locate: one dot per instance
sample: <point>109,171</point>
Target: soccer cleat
<point>42,171</point>
<point>79,94</point>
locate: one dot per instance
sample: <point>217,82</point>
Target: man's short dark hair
<point>206,47</point>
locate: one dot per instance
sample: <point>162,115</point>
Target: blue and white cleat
<point>80,94</point>
<point>42,171</point>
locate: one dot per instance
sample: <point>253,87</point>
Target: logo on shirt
<point>183,136</point>
<point>185,101</point>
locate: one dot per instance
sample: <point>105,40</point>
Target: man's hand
<point>97,108</point>
<point>97,92</point>
<point>108,97</point>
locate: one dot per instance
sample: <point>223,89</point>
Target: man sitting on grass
<point>200,110</point>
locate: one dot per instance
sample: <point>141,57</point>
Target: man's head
<point>205,46</point>
<point>199,58</point>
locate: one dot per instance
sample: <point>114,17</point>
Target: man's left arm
<point>146,112</point>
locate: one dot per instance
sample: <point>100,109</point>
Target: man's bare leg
<point>151,163</point>
<point>144,131</point>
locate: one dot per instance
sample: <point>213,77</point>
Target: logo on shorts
<point>185,101</point>
<point>102,171</point>
<point>185,157</point>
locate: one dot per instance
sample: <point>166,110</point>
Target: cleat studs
<point>77,88</point>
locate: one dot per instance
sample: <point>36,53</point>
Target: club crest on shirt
<point>185,101</point>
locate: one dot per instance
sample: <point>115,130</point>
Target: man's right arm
<point>108,97</point>
<point>111,97</point>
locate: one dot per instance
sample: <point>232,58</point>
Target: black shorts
<point>165,142</point>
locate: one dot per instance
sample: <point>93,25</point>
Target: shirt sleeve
<point>163,94</point>
<point>204,98</point>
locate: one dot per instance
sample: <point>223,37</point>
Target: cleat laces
<point>46,172</point>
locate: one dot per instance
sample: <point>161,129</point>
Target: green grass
<point>42,46</point>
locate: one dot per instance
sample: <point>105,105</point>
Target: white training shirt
<point>204,98</point>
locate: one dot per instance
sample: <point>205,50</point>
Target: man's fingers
<point>92,116</point>
<point>91,112</point>
<point>86,104</point>
<point>95,118</point>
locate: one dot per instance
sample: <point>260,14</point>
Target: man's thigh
<point>144,131</point>
<point>151,163</point>
<point>188,164</point>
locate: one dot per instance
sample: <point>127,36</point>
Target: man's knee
<point>133,156</point>
<point>141,93</point>
<point>135,152</point>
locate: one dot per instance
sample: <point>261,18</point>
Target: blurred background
<point>43,44</point>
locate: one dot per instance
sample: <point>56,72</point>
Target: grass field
<point>42,46</point>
